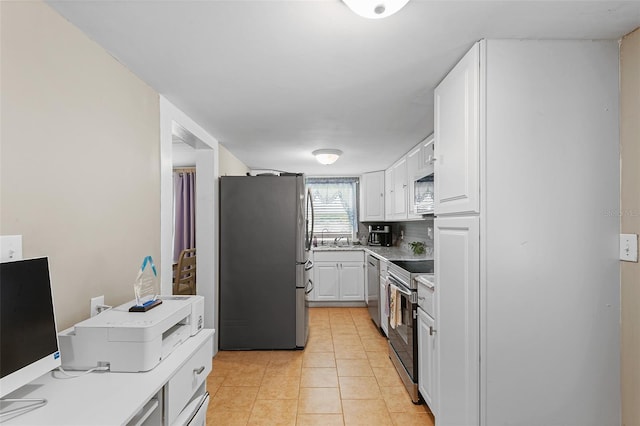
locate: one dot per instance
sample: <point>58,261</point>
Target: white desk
<point>104,398</point>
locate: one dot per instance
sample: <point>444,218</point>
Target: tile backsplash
<point>408,232</point>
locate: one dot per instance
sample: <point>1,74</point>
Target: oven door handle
<point>395,278</point>
<point>400,287</point>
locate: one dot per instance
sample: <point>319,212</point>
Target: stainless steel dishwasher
<point>373,288</point>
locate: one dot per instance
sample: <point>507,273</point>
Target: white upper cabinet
<point>427,156</point>
<point>372,197</point>
<point>400,189</point>
<point>457,138</point>
<point>420,159</point>
<point>388,194</point>
<point>395,201</point>
<point>396,191</point>
<point>414,162</point>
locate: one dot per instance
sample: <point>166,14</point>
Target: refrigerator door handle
<point>308,266</point>
<point>309,289</point>
<point>309,236</point>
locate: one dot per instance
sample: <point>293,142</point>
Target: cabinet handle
<point>198,370</point>
<point>431,331</point>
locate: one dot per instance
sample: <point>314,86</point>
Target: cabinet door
<point>351,280</point>
<point>457,137</point>
<point>427,156</point>
<point>388,194</point>
<point>427,359</point>
<point>400,189</point>
<point>372,197</point>
<point>326,280</point>
<point>457,265</point>
<point>413,169</point>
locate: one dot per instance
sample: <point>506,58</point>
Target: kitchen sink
<point>339,247</point>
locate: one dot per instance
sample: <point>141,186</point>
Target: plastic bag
<point>146,284</point>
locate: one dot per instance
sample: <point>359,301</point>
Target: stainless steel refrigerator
<point>265,272</point>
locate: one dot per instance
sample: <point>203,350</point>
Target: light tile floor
<point>343,377</point>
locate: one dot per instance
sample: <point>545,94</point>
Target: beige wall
<point>229,164</point>
<point>79,160</point>
<point>630,209</point>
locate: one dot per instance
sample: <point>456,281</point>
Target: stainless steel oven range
<point>403,338</point>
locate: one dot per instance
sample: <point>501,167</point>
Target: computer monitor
<point>28,332</point>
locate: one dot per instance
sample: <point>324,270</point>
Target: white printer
<point>131,341</point>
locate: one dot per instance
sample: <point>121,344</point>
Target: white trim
<point>206,209</point>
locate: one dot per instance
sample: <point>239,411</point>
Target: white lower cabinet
<point>326,281</point>
<point>338,276</point>
<point>427,360</point>
<point>351,280</point>
<point>188,381</point>
<point>456,265</point>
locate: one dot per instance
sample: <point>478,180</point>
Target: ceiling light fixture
<point>375,9</point>
<point>327,156</point>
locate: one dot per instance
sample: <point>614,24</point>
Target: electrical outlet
<point>95,302</point>
<point>629,247</point>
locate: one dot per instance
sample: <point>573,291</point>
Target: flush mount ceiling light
<point>327,156</point>
<point>375,9</point>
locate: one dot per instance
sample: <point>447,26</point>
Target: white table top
<point>100,398</point>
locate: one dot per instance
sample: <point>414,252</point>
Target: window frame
<point>324,236</point>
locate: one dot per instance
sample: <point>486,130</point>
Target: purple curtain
<point>184,209</point>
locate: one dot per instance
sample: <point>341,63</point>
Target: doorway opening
<point>205,148</point>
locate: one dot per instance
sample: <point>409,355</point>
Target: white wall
<point>80,159</point>
<point>230,165</point>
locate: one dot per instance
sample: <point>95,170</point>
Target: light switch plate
<point>10,247</point>
<point>629,247</point>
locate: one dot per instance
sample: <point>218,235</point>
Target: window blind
<point>335,206</point>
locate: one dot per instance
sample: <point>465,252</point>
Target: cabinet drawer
<point>426,294</point>
<point>338,256</point>
<point>182,386</point>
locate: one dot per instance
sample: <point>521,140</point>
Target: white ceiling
<point>274,80</point>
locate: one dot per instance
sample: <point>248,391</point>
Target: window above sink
<point>335,209</point>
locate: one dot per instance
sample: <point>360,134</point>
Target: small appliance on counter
<point>379,235</point>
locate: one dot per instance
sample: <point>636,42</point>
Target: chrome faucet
<point>336,239</point>
<point>322,235</point>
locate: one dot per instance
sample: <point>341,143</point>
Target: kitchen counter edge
<point>382,253</point>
